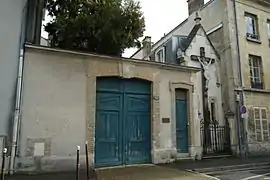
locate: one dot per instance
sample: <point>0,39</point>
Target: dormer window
<point>160,55</point>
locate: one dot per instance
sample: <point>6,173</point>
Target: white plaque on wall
<point>39,149</point>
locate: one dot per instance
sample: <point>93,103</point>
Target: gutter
<point>239,92</point>
<point>16,119</point>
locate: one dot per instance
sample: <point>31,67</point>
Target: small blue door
<point>123,122</point>
<point>181,121</point>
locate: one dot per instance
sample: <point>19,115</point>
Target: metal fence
<point>215,138</point>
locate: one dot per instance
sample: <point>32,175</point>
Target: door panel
<point>138,134</point>
<point>108,124</point>
<point>181,126</point>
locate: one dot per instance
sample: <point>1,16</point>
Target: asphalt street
<point>261,172</point>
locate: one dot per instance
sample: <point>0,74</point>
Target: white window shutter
<point>264,120</point>
<point>257,123</point>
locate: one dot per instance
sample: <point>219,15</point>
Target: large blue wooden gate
<point>123,122</point>
<point>181,121</point>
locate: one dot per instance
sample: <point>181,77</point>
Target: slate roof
<point>192,34</point>
<point>185,41</point>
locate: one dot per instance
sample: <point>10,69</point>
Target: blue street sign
<point>243,110</point>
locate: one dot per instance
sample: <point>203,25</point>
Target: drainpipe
<point>16,119</point>
<point>239,91</point>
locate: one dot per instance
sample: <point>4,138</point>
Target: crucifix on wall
<point>205,82</point>
<point>205,64</point>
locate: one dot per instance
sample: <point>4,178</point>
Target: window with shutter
<point>261,124</point>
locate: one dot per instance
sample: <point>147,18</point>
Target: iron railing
<point>215,138</point>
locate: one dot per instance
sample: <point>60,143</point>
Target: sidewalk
<point>173,171</point>
<point>215,163</point>
<point>148,172</point>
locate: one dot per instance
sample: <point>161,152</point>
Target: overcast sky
<point>161,16</point>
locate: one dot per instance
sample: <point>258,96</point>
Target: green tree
<point>100,26</point>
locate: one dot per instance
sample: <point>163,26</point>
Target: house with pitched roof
<point>196,50</point>
<point>240,32</point>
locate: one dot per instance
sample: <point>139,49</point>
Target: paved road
<point>261,172</point>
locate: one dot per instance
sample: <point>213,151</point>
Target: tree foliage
<point>101,26</point>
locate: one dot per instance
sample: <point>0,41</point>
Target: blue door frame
<point>181,124</point>
<point>123,122</point>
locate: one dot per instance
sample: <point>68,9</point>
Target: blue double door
<point>123,122</point>
<point>181,121</point>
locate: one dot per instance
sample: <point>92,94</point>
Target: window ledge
<point>257,90</point>
<point>254,40</point>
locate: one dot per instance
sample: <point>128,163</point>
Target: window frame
<point>252,67</point>
<point>161,49</point>
<point>213,100</point>
<point>268,29</point>
<point>261,132</point>
<point>255,35</point>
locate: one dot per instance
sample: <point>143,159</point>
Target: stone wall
<point>58,105</point>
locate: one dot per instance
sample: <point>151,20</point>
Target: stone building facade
<point>195,49</point>
<point>253,21</point>
<point>239,30</point>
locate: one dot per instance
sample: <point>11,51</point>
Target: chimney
<point>146,46</point>
<point>194,5</point>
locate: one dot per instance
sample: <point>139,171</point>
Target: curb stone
<point>224,168</point>
<point>204,175</point>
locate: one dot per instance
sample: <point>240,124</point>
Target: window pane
<point>213,113</point>
<point>268,29</point>
<point>265,135</point>
<point>264,114</point>
<point>256,72</point>
<point>257,113</point>
<point>250,25</point>
<point>256,62</point>
<point>265,127</point>
<point>257,125</point>
<point>253,26</point>
<point>259,136</point>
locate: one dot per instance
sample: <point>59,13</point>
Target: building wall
<point>253,48</point>
<point>58,107</point>
<point>11,17</point>
<point>254,98</point>
<point>53,107</point>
